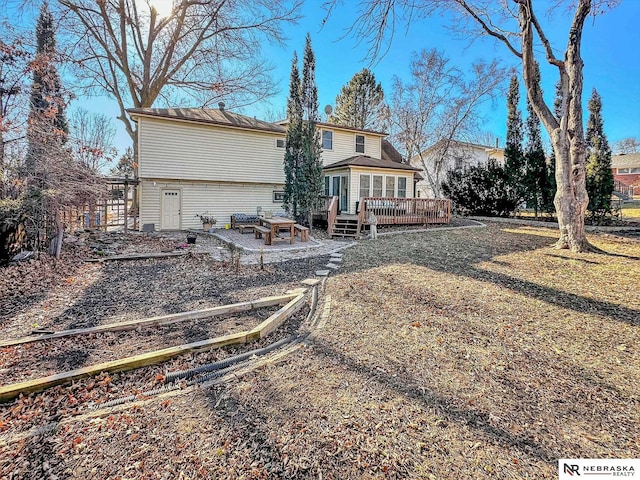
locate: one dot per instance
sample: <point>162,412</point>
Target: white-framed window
<point>390,186</point>
<point>359,143</point>
<point>280,142</point>
<point>365,186</point>
<point>628,170</point>
<point>377,186</point>
<point>327,140</point>
<point>459,163</point>
<point>327,181</point>
<point>402,187</point>
<point>278,196</point>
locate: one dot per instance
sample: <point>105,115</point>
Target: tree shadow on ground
<point>460,258</point>
<point>410,388</point>
<point>147,288</point>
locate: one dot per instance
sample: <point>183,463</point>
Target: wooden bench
<point>263,231</point>
<point>245,228</point>
<point>302,232</point>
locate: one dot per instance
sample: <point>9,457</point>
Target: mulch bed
<point>478,353</point>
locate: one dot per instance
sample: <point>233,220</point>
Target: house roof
<point>367,161</point>
<point>460,143</point>
<point>340,127</point>
<point>212,116</point>
<point>628,160</point>
<point>389,152</point>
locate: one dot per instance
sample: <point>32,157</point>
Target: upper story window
<point>629,170</point>
<point>327,140</point>
<point>458,163</point>
<point>280,143</point>
<point>359,143</point>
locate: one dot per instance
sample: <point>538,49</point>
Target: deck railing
<point>332,212</point>
<point>403,211</point>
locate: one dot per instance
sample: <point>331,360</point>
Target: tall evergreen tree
<point>293,145</point>
<point>309,180</point>
<point>360,102</point>
<point>599,174</point>
<point>536,175</point>
<point>513,154</point>
<point>47,119</point>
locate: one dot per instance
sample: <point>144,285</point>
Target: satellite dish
<point>328,109</point>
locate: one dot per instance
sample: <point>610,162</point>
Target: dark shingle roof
<point>389,152</point>
<point>209,116</point>
<point>367,161</point>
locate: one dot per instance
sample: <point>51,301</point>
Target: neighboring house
<point>451,155</point>
<point>626,174</point>
<point>194,160</point>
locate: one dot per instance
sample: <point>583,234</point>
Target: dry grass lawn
<point>477,353</point>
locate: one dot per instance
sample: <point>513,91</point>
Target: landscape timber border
<point>9,392</point>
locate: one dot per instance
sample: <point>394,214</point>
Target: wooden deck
<point>405,211</point>
<point>387,210</point>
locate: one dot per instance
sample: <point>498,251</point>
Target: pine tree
<point>47,119</point>
<point>513,154</point>
<point>599,174</point>
<point>293,141</point>
<point>360,102</point>
<point>309,180</point>
<point>536,175</point>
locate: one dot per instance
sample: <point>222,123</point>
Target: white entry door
<point>170,215</point>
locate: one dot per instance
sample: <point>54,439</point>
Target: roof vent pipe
<point>221,106</point>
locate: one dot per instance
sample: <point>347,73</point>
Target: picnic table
<point>276,223</point>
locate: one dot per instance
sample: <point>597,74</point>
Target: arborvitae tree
<point>47,118</point>
<point>309,180</point>
<point>599,173</point>
<point>513,154</point>
<point>536,176</point>
<point>360,102</point>
<point>293,143</point>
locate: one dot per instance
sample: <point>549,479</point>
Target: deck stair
<point>345,226</point>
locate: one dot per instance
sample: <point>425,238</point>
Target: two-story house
<point>193,160</point>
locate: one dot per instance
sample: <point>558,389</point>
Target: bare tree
<point>14,65</point>
<point>202,49</point>
<point>628,145</point>
<point>438,106</point>
<point>91,139</point>
<point>512,22</point>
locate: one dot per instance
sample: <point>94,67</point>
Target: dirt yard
<point>460,354</point>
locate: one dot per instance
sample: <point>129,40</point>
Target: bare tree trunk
<point>571,198</point>
<point>55,248</point>
<point>567,131</point>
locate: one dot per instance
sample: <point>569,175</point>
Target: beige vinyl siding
<point>187,150</point>
<point>344,146</point>
<point>219,199</point>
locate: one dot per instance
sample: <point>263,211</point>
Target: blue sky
<point>611,51</point>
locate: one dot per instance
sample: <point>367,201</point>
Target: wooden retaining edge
<point>277,319</point>
<point>138,256</point>
<point>9,392</point>
<point>161,320</point>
